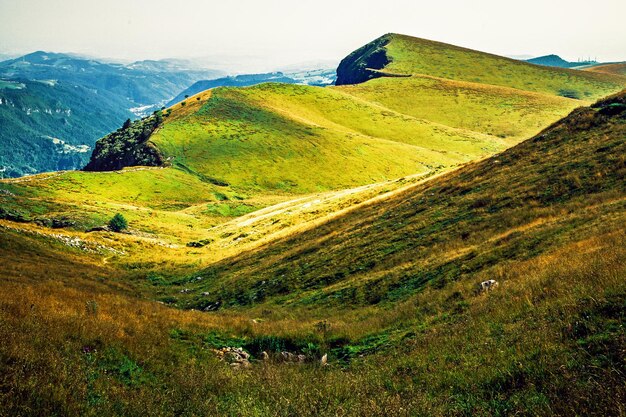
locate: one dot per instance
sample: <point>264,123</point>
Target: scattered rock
<point>237,358</point>
<point>488,285</point>
<point>7,193</point>
<point>99,229</point>
<point>324,360</point>
<point>265,356</point>
<point>212,306</point>
<point>70,241</point>
<point>199,243</point>
<point>292,357</point>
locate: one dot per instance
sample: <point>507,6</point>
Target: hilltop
<point>451,105</point>
<point>388,289</point>
<point>318,77</point>
<point>240,151</point>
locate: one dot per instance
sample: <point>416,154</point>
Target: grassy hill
<point>241,150</point>
<point>354,221</point>
<point>413,56</point>
<point>618,68</point>
<point>387,289</point>
<point>457,105</point>
<point>456,225</point>
<point>450,105</point>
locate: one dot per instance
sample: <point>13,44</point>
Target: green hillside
<point>414,56</point>
<point>240,150</point>
<point>295,139</point>
<point>618,68</point>
<point>388,290</point>
<point>457,105</point>
<point>514,206</point>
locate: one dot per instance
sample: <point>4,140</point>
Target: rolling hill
<point>387,288</point>
<point>618,68</point>
<point>240,150</point>
<point>510,207</point>
<point>309,77</point>
<point>450,105</point>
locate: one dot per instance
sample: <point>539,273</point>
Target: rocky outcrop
<point>127,146</point>
<point>361,64</point>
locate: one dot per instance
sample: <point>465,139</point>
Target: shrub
<point>569,94</point>
<point>118,223</point>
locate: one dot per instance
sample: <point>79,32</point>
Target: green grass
<point>423,57</point>
<point>381,278</point>
<point>501,112</point>
<point>237,139</point>
<point>516,205</point>
<point>387,290</point>
<point>459,105</point>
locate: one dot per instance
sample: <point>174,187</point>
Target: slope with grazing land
<point>239,150</point>
<point>388,290</point>
<point>475,93</point>
<point>522,202</point>
<point>618,68</point>
<point>482,103</point>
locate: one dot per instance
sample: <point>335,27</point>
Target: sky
<point>274,33</point>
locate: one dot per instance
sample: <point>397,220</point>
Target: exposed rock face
<point>357,67</point>
<point>127,146</point>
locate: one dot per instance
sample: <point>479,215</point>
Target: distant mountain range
<point>53,107</point>
<point>557,61</point>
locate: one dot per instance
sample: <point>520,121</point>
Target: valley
<point>348,224</point>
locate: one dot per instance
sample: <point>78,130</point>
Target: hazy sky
<point>284,32</point>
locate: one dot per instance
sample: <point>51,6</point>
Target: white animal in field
<point>488,285</point>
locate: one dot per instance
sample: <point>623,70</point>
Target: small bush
<point>92,308</point>
<point>118,223</point>
<point>569,94</point>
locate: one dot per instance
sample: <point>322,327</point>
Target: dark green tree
<point>126,124</point>
<point>118,223</point>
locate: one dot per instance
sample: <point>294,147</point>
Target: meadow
<point>355,222</point>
